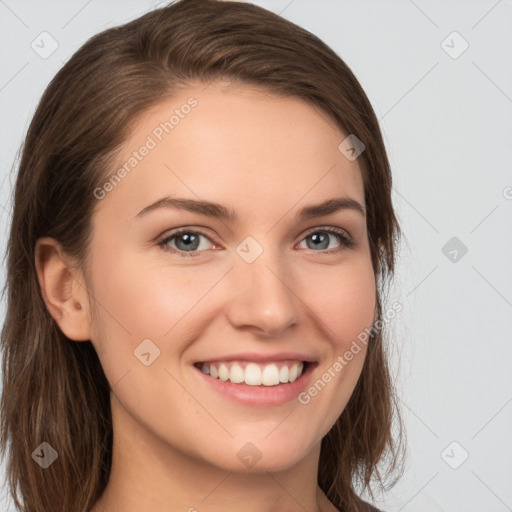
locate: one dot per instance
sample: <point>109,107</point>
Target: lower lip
<point>260,395</point>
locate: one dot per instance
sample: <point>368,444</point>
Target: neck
<point>149,474</point>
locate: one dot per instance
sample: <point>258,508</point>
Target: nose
<point>263,298</point>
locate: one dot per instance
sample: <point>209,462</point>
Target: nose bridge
<point>264,296</point>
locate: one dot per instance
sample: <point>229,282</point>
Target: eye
<point>187,241</point>
<point>320,239</point>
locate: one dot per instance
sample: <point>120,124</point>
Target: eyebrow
<point>219,211</point>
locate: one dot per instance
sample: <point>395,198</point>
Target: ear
<point>63,289</point>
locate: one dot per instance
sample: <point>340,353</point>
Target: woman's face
<point>243,297</point>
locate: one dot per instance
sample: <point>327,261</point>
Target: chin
<point>260,456</point>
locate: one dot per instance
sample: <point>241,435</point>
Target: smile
<point>254,374</point>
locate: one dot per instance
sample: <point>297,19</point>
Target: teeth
<point>283,374</point>
<point>236,374</point>
<point>252,374</point>
<point>270,375</point>
<point>223,372</point>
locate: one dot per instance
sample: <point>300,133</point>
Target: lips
<point>256,394</point>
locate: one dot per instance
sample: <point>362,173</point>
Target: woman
<point>202,232</point>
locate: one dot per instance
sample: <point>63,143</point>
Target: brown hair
<point>55,390</point>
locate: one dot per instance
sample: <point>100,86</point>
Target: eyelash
<point>346,241</point>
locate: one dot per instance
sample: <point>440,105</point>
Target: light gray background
<point>447,125</point>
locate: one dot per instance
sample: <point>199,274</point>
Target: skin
<point>176,440</point>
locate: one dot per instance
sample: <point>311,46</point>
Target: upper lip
<point>261,358</point>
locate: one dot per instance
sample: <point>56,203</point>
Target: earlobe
<point>63,289</point>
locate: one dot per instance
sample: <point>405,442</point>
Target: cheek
<point>146,299</point>
<point>344,300</point>
<point>346,305</point>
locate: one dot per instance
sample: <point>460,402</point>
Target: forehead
<point>234,144</point>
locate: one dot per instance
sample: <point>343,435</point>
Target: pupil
<point>320,238</point>
<point>190,241</point>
